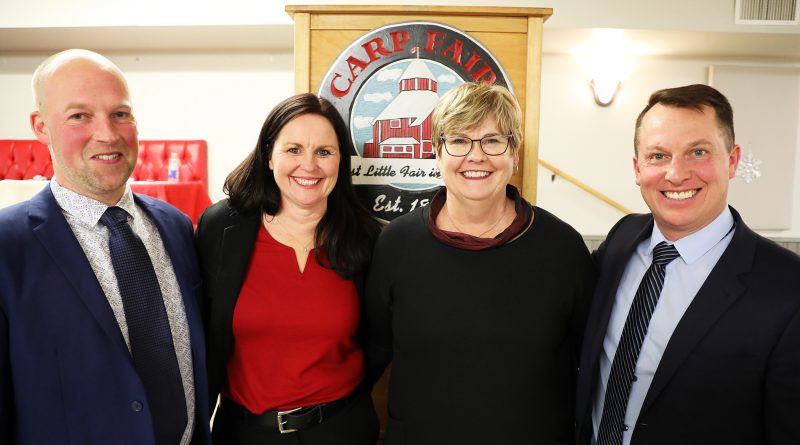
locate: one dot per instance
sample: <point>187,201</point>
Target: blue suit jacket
<point>730,373</point>
<point>66,376</point>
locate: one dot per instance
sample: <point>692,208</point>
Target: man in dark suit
<point>706,350</point>
<point>74,367</point>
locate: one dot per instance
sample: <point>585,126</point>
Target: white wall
<point>595,144</point>
<point>220,97</point>
<point>223,96</point>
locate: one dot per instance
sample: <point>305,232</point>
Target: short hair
<point>696,97</point>
<point>52,63</point>
<point>347,229</point>
<point>469,104</point>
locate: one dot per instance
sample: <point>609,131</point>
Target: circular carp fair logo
<point>385,85</point>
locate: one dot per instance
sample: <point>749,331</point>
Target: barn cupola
<point>417,77</point>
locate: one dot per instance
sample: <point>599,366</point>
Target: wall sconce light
<point>604,90</point>
<point>606,64</point>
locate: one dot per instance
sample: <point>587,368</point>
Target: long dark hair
<point>347,229</point>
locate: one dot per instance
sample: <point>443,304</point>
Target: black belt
<point>291,420</point>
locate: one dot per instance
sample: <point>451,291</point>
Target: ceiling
<point>780,46</point>
<point>684,43</point>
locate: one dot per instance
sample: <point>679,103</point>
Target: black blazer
<point>730,373</point>
<point>225,242</point>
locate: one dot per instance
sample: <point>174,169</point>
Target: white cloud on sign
<point>362,121</point>
<point>378,97</point>
<point>390,74</point>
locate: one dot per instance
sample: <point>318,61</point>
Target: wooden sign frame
<point>513,35</point>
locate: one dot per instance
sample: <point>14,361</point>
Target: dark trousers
<point>356,424</point>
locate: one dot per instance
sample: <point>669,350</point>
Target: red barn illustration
<point>403,128</point>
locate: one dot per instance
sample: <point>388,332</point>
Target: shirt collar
<point>87,210</point>
<point>694,246</point>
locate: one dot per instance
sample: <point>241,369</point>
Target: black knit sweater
<point>483,344</point>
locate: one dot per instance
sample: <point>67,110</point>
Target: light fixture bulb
<point>605,90</point>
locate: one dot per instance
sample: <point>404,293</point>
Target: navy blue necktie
<point>148,328</point>
<point>620,380</point>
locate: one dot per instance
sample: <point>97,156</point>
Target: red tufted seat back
<point>154,156</point>
<point>24,159</point>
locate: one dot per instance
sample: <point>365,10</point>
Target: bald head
<point>84,114</point>
<point>68,58</point>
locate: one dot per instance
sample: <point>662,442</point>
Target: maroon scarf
<point>468,242</point>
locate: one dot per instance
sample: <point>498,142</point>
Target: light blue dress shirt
<point>699,253</point>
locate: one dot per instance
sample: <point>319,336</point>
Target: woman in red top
<point>282,261</point>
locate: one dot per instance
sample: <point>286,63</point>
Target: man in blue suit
<point>706,350</point>
<point>67,375</point>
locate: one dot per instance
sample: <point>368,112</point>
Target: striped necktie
<point>621,378</point>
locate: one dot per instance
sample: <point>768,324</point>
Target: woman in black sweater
<point>479,299</point>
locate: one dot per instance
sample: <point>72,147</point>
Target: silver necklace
<point>285,230</point>
<point>502,214</point>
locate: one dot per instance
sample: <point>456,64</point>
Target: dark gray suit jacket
<point>731,371</point>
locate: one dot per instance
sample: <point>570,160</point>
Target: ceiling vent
<point>767,12</point>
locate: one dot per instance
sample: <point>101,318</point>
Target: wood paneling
<point>533,74</point>
<point>302,52</point>
<point>467,24</point>
<point>379,10</point>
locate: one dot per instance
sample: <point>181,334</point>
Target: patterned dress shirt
<point>83,216</point>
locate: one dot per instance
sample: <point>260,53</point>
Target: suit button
<point>136,406</point>
<point>634,378</point>
<point>625,428</point>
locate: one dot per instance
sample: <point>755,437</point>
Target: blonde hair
<point>469,104</point>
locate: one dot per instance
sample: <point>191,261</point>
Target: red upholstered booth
<point>190,193</point>
<point>154,158</point>
<point>28,158</point>
<point>24,159</point>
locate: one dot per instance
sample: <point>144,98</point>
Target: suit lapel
<point>180,254</point>
<point>180,248</point>
<point>721,290</point>
<point>53,232</point>
<point>618,249</point>
<point>614,261</point>
<point>238,242</point>
<point>179,243</point>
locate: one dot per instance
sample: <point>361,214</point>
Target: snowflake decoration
<point>749,168</point>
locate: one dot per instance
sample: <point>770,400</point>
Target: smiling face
<point>85,117</point>
<point>305,162</point>
<point>477,177</point>
<point>683,167</point>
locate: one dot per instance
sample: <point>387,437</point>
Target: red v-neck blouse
<point>294,332</point>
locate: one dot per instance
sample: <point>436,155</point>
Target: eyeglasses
<point>460,146</point>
